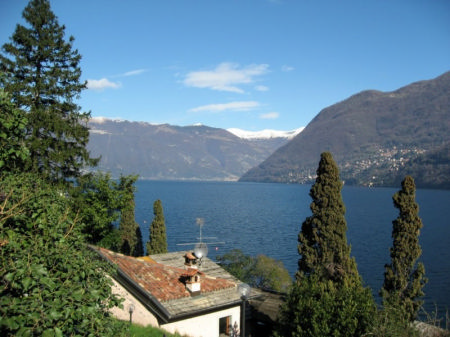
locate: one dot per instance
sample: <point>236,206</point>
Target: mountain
<point>170,152</point>
<point>375,137</point>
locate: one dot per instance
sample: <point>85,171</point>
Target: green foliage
<point>322,241</point>
<point>404,278</point>
<point>98,201</point>
<point>271,274</point>
<point>13,152</point>
<point>130,232</point>
<point>237,264</point>
<point>51,283</point>
<point>157,243</point>
<point>392,322</point>
<point>315,307</point>
<point>42,75</point>
<point>328,298</point>
<point>262,271</point>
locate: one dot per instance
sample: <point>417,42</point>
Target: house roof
<point>160,286</point>
<point>209,267</point>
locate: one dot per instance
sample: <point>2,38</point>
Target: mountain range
<point>375,137</point>
<point>167,152</point>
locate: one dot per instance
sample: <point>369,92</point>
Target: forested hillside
<point>376,137</point>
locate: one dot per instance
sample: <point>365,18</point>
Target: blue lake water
<point>266,219</point>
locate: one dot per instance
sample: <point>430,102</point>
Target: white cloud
<point>232,106</point>
<point>270,115</point>
<point>286,68</point>
<point>225,77</point>
<point>261,88</point>
<point>102,84</point>
<point>135,72</point>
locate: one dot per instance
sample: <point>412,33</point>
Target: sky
<point>248,64</point>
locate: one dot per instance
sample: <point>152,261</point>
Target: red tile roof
<point>161,281</point>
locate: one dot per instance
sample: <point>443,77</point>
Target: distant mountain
<point>177,153</point>
<point>375,137</point>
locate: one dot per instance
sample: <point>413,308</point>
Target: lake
<point>266,219</point>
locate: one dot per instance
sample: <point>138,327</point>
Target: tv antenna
<point>201,247</point>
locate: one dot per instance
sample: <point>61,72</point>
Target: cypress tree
<point>42,74</point>
<point>322,241</point>
<point>157,243</point>
<point>327,298</point>
<point>404,278</point>
<point>130,232</point>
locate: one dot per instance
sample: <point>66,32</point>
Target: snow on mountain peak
<point>265,134</point>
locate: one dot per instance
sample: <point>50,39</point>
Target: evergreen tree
<point>328,298</point>
<point>13,152</point>
<point>130,232</point>
<point>404,278</point>
<point>41,72</point>
<point>322,241</point>
<point>157,243</point>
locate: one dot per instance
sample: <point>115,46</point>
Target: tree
<point>13,152</point>
<point>322,241</point>
<point>270,274</point>
<point>327,298</point>
<point>98,201</point>
<point>404,278</point>
<point>238,264</point>
<point>51,283</point>
<point>317,307</point>
<point>42,75</point>
<point>130,232</point>
<point>157,243</point>
<point>261,271</point>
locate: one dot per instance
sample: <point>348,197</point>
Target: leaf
<point>26,282</point>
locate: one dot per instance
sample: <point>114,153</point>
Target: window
<point>224,326</point>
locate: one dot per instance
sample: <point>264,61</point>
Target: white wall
<point>140,314</point>
<point>203,326</point>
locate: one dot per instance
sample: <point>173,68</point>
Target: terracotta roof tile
<point>161,281</point>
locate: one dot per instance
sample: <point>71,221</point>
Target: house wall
<point>203,326</point>
<point>140,314</point>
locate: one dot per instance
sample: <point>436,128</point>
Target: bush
<point>51,283</point>
<point>316,308</point>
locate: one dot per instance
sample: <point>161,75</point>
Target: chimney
<point>190,261</point>
<point>192,279</point>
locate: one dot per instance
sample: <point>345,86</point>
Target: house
<point>176,292</point>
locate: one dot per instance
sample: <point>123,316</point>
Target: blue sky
<point>249,64</point>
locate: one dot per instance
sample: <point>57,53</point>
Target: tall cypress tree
<point>157,243</point>
<point>322,241</point>
<point>328,298</point>
<point>130,232</point>
<point>404,278</point>
<point>42,74</point>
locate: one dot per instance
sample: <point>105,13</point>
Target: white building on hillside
<point>170,292</point>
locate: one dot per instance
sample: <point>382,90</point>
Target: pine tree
<point>157,243</point>
<point>41,72</point>
<point>322,241</point>
<point>327,298</point>
<point>404,278</point>
<point>130,232</point>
